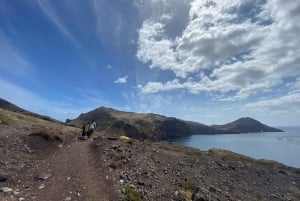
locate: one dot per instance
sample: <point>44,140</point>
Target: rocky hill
<point>246,125</point>
<point>158,127</point>
<point>4,104</point>
<point>42,160</point>
<point>139,126</point>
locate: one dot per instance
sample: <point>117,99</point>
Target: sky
<point>201,60</point>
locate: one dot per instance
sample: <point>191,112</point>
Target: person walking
<point>91,129</point>
<point>86,129</point>
<point>83,130</point>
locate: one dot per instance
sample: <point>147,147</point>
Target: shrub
<point>189,186</point>
<point>115,164</point>
<point>132,195</point>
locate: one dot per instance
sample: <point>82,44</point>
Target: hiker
<point>91,129</point>
<point>83,134</point>
<point>86,129</point>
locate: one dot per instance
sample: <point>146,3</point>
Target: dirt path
<point>74,176</point>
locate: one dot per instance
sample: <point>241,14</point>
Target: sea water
<point>283,147</point>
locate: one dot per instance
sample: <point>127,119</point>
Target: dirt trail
<point>74,176</point>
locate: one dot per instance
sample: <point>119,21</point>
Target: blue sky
<point>201,60</point>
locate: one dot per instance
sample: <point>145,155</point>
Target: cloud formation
<point>121,80</point>
<point>227,46</point>
<point>284,104</point>
<point>56,20</point>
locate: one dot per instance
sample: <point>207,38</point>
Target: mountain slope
<point>157,127</point>
<point>198,129</point>
<point>149,126</point>
<point>4,104</point>
<point>246,125</point>
<point>141,126</point>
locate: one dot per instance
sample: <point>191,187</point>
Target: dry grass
<point>116,161</point>
<point>6,119</point>
<point>294,191</point>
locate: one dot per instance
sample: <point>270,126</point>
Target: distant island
<point>150,126</point>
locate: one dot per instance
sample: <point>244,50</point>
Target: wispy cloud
<point>12,58</point>
<point>121,80</point>
<point>55,19</point>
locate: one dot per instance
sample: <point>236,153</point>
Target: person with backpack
<point>85,130</point>
<point>91,129</point>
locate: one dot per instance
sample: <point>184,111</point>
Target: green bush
<point>132,195</point>
<point>188,185</point>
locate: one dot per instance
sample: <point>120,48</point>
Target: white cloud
<point>242,47</point>
<point>121,80</point>
<point>286,104</point>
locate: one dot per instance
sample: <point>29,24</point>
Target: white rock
<point>41,186</point>
<point>6,189</point>
<point>21,199</point>
<point>68,198</point>
<point>16,192</point>
<point>43,176</point>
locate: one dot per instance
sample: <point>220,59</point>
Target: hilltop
<point>159,127</point>
<point>246,125</point>
<point>42,160</point>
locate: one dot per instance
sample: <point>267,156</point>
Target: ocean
<point>282,147</point>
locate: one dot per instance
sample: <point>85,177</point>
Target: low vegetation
<point>189,185</point>
<point>132,195</point>
<point>6,120</point>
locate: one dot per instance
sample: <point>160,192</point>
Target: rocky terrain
<point>42,160</point>
<point>157,127</point>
